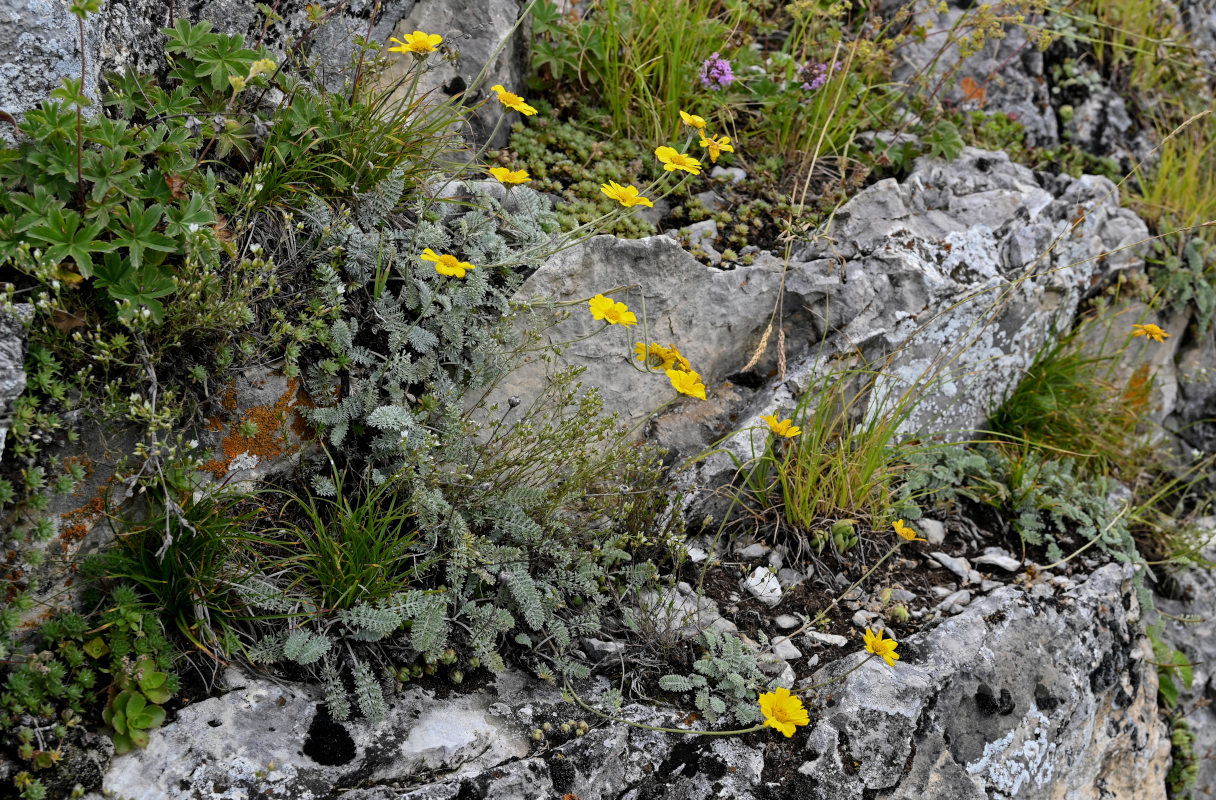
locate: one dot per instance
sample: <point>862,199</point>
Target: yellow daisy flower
<point>611,312</point>
<point>625,195</point>
<point>660,357</point>
<point>783,711</point>
<point>1151,331</point>
<point>717,146</point>
<point>686,382</point>
<point>673,160</point>
<point>785,428</point>
<point>512,101</point>
<point>418,43</point>
<point>446,264</point>
<point>883,648</point>
<point>692,120</point>
<point>906,532</point>
<point>505,175</point>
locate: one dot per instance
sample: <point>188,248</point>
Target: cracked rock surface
<point>1022,695</point>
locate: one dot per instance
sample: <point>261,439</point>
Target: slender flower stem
<point>838,678</point>
<point>607,717</point>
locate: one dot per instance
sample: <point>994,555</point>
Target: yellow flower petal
<point>418,43</point>
<point>883,648</point>
<point>673,160</point>
<point>1151,331</point>
<point>783,711</point>
<point>686,382</point>
<point>512,100</point>
<point>505,175</point>
<point>906,532</point>
<point>625,195</point>
<point>692,120</point>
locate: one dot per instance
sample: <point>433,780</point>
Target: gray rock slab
<point>1038,701</point>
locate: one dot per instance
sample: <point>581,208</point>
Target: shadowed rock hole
<point>327,741</point>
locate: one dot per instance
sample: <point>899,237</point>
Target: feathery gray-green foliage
<point>523,532</point>
<point>726,680</point>
<point>1044,498</point>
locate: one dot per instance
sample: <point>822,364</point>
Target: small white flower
<point>192,227</point>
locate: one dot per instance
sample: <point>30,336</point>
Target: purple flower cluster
<point>716,73</point>
<point>814,76</point>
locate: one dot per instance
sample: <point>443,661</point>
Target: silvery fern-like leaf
<point>268,649</point>
<point>369,692</point>
<point>392,418</point>
<point>676,683</point>
<point>336,700</point>
<point>304,647</point>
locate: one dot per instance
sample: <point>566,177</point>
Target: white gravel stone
<point>995,557</point>
<point>959,566</point>
<point>784,649</point>
<point>764,586</point>
<point>787,622</point>
<point>831,639</point>
<point>934,531</point>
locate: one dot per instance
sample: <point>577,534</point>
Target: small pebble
<point>862,618</point>
<point>756,550</point>
<point>988,586</point>
<point>818,637</point>
<point>787,622</point>
<point>999,559</point>
<point>764,586</point>
<point>959,566</point>
<point>729,174</point>
<point>813,661</point>
<point>789,578</point>
<point>934,531</point>
<point>955,602</point>
<point>784,649</point>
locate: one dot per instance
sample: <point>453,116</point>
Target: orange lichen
<point>229,401</point>
<point>73,533</point>
<point>270,442</point>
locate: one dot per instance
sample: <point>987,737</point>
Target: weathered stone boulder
<point>1030,692</point>
<point>1189,597</point>
<point>956,277</point>
<point>40,43</point>
<point>475,33</point>
<point>715,318</point>
<point>1005,75</point>
<point>12,368</point>
<point>1025,694</point>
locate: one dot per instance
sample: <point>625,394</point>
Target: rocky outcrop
<point>476,34</point>
<point>1189,598</point>
<point>1005,75</point>
<point>40,44</point>
<point>1030,692</point>
<point>949,281</point>
<point>1027,694</point>
<point>12,368</point>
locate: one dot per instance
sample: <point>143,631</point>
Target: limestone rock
<point>715,318</point>
<point>1006,75</point>
<point>764,586</point>
<point>476,30</point>
<point>1011,698</point>
<point>12,369</point>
